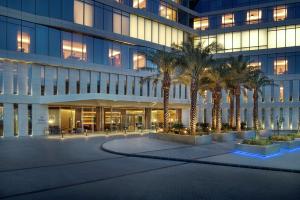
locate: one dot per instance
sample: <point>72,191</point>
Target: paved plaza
<point>78,168</point>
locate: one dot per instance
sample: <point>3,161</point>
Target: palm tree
<point>231,106</point>
<point>239,71</point>
<point>193,60</point>
<point>256,80</point>
<point>214,79</point>
<point>165,61</point>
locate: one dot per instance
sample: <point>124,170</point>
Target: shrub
<point>176,128</point>
<point>225,126</point>
<point>282,137</point>
<point>257,142</point>
<point>243,125</point>
<point>204,127</point>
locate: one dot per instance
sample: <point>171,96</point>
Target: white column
<point>73,78</point>
<point>129,85</point>
<point>267,118</point>
<point>8,119</point>
<point>39,119</point>
<point>122,79</point>
<point>209,115</point>
<point>286,118</point>
<point>286,91</point>
<point>295,122</point>
<point>84,79</point>
<point>23,119</point>
<point>22,79</point>
<point>94,81</point>
<point>8,78</point>
<point>112,83</point>
<point>276,91</point>
<point>224,114</point>
<point>250,116</point>
<point>36,80</point>
<point>61,81</point>
<point>104,79</point>
<point>268,94</point>
<point>186,117</point>
<point>200,113</point>
<point>137,86</point>
<point>296,90</point>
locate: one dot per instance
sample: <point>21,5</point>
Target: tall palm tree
<point>193,60</point>
<point>215,79</point>
<point>239,71</point>
<point>256,80</point>
<point>231,106</point>
<point>166,64</point>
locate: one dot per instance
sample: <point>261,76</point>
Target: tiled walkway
<point>218,153</point>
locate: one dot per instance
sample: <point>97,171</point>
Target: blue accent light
<point>261,156</point>
<point>254,155</point>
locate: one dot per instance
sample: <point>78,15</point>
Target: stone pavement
<point>216,154</point>
<point>77,168</point>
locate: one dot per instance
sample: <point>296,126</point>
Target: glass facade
<point>252,16</point>
<point>255,39</point>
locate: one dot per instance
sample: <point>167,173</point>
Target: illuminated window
<point>228,20</point>
<point>114,55</point>
<point>139,61</point>
<point>254,16</point>
<point>255,65</point>
<point>201,23</point>
<point>280,66</point>
<point>74,50</point>
<point>281,92</point>
<point>83,13</point>
<point>23,42</point>
<point>167,12</point>
<point>141,4</point>
<point>280,13</point>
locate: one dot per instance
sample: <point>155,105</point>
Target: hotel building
<point>76,65</point>
<point>268,33</point>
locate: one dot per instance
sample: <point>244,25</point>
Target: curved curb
<point>198,161</point>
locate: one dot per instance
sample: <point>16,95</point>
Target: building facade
<point>268,33</point>
<point>77,65</point>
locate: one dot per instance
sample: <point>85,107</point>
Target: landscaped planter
<point>246,135</point>
<point>224,137</point>
<point>186,139</point>
<point>289,144</point>
<point>259,149</point>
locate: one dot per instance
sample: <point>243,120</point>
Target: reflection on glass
<point>23,40</point>
<point>280,13</point>
<point>280,66</point>
<point>139,61</point>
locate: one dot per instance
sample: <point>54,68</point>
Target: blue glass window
<point>42,38</point>
<point>54,44</point>
<point>42,7</point>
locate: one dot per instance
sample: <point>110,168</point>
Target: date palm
<point>166,64</point>
<point>215,79</point>
<point>239,71</point>
<point>193,60</point>
<point>256,80</point>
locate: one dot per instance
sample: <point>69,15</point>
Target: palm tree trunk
<point>217,100</point>
<point>238,108</point>
<point>193,111</point>
<point>255,109</point>
<point>231,108</point>
<point>214,111</point>
<point>166,91</point>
